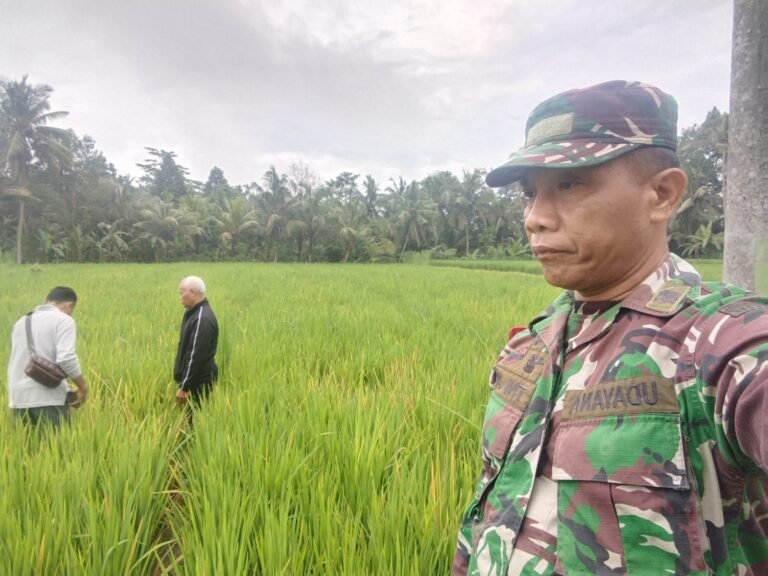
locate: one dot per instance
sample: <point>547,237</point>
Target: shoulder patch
<point>513,388</point>
<point>668,297</point>
<point>740,307</point>
<point>517,374</point>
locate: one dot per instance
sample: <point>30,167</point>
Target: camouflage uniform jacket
<point>648,421</point>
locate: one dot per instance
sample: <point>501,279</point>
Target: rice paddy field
<point>342,438</point>
<point>709,269</point>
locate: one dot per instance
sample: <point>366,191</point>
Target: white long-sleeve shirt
<point>54,335</point>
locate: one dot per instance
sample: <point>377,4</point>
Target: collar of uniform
<point>662,293</point>
<point>561,305</point>
<point>46,308</point>
<point>665,291</point>
<point>550,323</point>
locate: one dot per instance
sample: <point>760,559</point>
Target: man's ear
<point>669,186</point>
<point>66,307</point>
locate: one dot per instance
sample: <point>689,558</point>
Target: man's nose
<point>541,213</point>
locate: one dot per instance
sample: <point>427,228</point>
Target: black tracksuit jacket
<point>195,366</point>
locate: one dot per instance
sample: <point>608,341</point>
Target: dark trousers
<point>42,415</point>
<point>201,392</point>
<point>197,396</point>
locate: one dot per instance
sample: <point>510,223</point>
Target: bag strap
<point>30,344</point>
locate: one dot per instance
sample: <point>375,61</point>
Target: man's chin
<point>555,276</point>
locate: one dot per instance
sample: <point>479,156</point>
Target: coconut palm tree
<point>310,219</point>
<point>25,139</point>
<point>412,213</point>
<point>234,218</point>
<point>275,204</point>
<point>112,245</point>
<point>470,205</point>
<point>441,188</point>
<point>371,196</point>
<point>351,220</point>
<point>164,227</point>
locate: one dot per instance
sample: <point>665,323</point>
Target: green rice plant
<point>77,499</point>
<point>709,269</point>
<point>524,266</point>
<point>342,437</point>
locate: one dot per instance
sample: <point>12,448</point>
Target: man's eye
<point>568,184</point>
<point>529,193</point>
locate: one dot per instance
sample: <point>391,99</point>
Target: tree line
<point>61,200</point>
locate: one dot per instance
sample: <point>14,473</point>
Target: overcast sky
<point>389,88</point>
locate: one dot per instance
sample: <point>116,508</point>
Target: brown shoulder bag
<point>39,368</point>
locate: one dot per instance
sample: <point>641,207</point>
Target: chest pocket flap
<point>623,432</point>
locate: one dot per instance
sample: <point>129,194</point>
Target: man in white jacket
<point>54,336</point>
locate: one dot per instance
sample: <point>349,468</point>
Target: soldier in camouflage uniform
<point>624,431</point>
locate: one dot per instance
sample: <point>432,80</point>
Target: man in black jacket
<point>195,368</point>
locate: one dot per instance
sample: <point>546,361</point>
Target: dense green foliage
<point>343,436</point>
<point>697,231</point>
<point>61,200</point>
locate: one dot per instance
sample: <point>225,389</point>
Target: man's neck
<point>627,284</point>
<point>191,306</point>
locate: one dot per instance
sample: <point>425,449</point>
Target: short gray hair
<point>194,282</point>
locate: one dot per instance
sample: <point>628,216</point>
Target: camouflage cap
<point>589,126</point>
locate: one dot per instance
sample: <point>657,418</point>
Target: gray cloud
<point>366,87</point>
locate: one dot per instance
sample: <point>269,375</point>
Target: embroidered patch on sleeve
<point>740,307</point>
<point>517,375</point>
